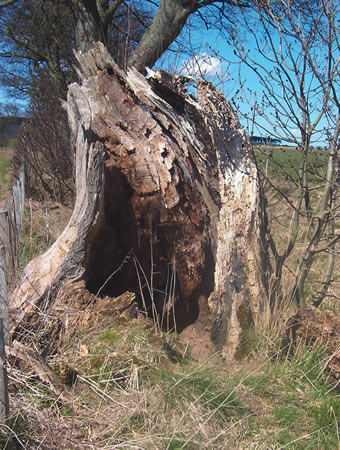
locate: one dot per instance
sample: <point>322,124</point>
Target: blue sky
<point>225,70</point>
<point>216,60</point>
<point>5,98</point>
<point>211,53</point>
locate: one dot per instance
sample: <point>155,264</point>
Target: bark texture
<point>89,26</point>
<point>166,183</point>
<point>164,29</point>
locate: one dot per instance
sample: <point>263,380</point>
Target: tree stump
<point>168,204</point>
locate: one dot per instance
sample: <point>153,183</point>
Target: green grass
<point>302,410</point>
<point>7,143</point>
<point>141,396</point>
<point>5,163</point>
<point>5,172</point>
<point>34,240</point>
<point>201,387</point>
<point>286,415</point>
<point>109,337</point>
<point>284,162</point>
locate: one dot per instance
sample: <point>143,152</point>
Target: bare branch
<point>7,3</point>
<point>328,246</point>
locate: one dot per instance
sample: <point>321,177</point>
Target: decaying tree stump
<point>317,329</point>
<point>165,183</point>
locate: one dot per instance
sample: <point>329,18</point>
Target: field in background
<point>6,155</point>
<point>280,166</point>
<point>284,162</point>
<point>43,222</point>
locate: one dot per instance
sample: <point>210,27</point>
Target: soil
<point>197,335</point>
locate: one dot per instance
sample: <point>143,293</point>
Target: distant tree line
<point>265,140</point>
<point>9,128</point>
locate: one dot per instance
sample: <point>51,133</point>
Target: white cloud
<point>296,132</point>
<point>202,65</point>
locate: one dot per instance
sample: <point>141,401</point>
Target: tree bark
<point>93,18</point>
<point>242,268</point>
<point>164,29</point>
<point>89,27</point>
<point>165,182</point>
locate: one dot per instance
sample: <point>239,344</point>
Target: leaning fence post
<point>18,193</point>
<point>4,400</point>
<point>4,294</point>
<point>4,229</point>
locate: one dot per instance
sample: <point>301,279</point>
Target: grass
<point>196,385</point>
<point>281,164</point>
<point>43,222</point>
<point>33,243</point>
<point>7,143</point>
<point>5,172</point>
<point>131,394</point>
<point>299,406</point>
<point>109,336</point>
<point>134,388</point>
<point>284,162</point>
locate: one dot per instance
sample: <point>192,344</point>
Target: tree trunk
<point>89,26</point>
<point>164,29</point>
<point>166,187</point>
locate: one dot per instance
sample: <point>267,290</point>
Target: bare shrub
<point>44,147</point>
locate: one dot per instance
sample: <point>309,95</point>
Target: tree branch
<point>327,246</point>
<point>7,3</point>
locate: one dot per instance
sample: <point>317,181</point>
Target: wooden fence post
<point>18,193</point>
<point>10,227</point>
<point>4,256</point>
<point>4,294</point>
<point>4,331</point>
<point>4,229</point>
<point>4,400</point>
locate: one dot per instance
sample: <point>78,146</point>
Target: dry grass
<point>43,222</point>
<point>279,215</point>
<point>132,388</point>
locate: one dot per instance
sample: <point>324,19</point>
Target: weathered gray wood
<point>240,295</point>
<point>159,171</point>
<point>65,259</point>
<point>6,255</point>
<point>42,369</point>
<point>4,294</point>
<point>4,229</point>
<point>4,399</point>
<point>13,241</point>
<point>11,222</point>
<point>18,193</point>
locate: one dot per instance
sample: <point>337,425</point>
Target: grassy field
<point>280,167</point>
<point>5,171</point>
<point>284,162</point>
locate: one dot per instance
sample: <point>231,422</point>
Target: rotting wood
<point>165,180</point>
<point>42,369</point>
<point>76,308</point>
